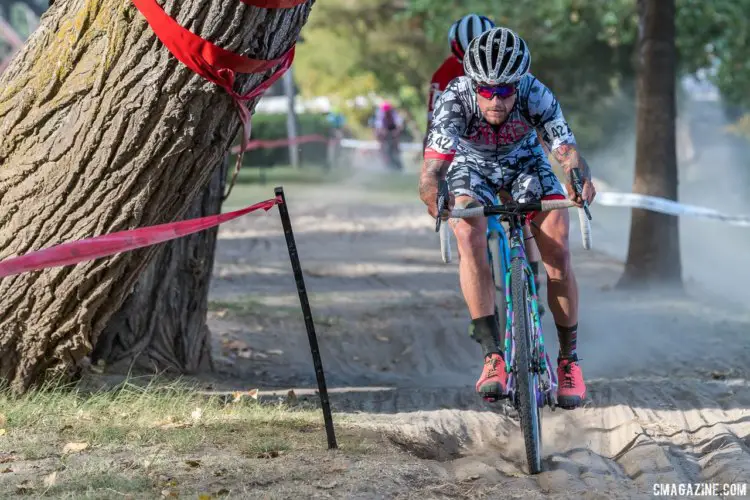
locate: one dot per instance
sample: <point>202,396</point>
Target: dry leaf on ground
<point>74,447</point>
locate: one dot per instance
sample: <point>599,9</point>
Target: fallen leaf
<point>275,352</point>
<point>74,447</point>
<point>171,423</point>
<point>382,338</point>
<point>261,355</point>
<point>3,432</point>
<point>169,493</point>
<point>327,486</point>
<point>51,480</point>
<point>176,425</point>
<point>197,413</point>
<point>6,470</point>
<point>406,351</point>
<point>204,496</point>
<point>245,353</point>
<point>238,395</point>
<point>3,420</point>
<point>222,313</point>
<point>193,463</point>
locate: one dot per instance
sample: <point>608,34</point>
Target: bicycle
<point>535,386</point>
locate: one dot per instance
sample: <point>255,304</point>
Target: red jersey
<point>450,69</point>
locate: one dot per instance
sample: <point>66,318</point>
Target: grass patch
<point>139,439</point>
<point>173,416</point>
<point>98,481</point>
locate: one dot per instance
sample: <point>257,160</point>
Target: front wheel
<point>527,379</point>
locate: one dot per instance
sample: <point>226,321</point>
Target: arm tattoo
<point>569,158</point>
<point>432,171</point>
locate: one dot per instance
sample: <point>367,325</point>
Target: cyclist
<point>388,125</point>
<point>482,139</point>
<point>460,34</point>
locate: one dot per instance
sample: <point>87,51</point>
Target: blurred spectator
<point>336,119</point>
<point>388,126</point>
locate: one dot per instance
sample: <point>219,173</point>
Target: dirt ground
<point>667,375</point>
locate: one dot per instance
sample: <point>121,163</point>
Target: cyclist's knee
<point>471,234</point>
<point>557,263</point>
<point>553,245</point>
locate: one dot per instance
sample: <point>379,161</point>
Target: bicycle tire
<point>526,379</point>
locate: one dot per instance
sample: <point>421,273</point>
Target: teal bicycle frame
<point>545,393</point>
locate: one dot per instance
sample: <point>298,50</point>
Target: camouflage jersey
<point>486,159</point>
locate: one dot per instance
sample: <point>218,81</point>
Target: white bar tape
<point>445,241</point>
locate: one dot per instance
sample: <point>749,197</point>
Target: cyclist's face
<point>497,109</point>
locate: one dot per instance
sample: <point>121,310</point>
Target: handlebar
<point>515,208</point>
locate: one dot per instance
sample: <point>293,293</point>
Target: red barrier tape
<point>276,143</point>
<point>210,61</point>
<point>105,245</point>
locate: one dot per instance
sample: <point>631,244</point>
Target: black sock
<point>567,336</point>
<point>487,333</point>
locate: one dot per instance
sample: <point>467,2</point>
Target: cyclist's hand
<point>588,192</point>
<point>432,207</point>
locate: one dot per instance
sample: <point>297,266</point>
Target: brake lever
<point>578,185</point>
<point>442,201</point>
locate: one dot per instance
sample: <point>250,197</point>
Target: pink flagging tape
<point>105,245</point>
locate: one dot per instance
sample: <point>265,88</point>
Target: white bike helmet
<point>465,30</point>
<point>497,57</point>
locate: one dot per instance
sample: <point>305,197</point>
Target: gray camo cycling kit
<point>485,159</point>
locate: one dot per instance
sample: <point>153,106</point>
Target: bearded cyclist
<point>483,138</point>
<point>461,33</point>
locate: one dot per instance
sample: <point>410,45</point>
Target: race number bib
<point>557,132</point>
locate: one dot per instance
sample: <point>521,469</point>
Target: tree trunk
<point>161,326</point>
<point>654,252</point>
<point>104,130</point>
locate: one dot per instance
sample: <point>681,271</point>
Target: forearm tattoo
<point>432,171</point>
<point>569,158</point>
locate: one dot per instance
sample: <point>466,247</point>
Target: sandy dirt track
<point>668,383</point>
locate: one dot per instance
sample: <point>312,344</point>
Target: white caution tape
<point>664,206</point>
<point>661,205</point>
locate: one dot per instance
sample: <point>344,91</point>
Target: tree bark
<point>162,326</point>
<point>654,251</point>
<point>104,130</point>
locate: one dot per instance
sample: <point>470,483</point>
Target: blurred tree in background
<point>582,49</point>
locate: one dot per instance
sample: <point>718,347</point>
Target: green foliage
<point>363,48</point>
<point>273,127</point>
<point>584,50</point>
